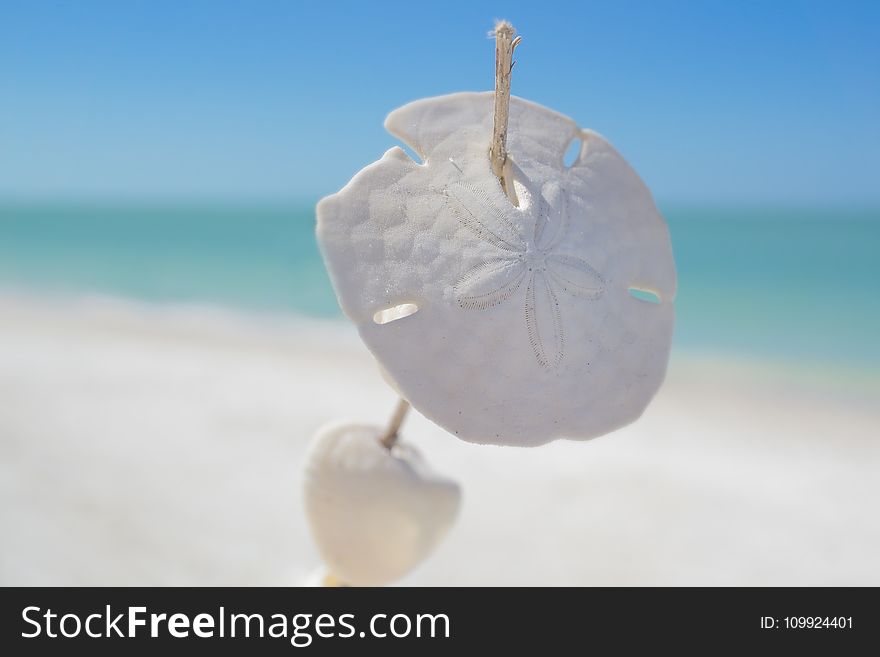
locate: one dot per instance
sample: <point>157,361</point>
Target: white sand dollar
<point>505,324</point>
<point>374,513</point>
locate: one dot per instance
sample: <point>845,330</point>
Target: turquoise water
<point>785,284</point>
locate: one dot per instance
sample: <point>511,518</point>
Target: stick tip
<point>503,28</point>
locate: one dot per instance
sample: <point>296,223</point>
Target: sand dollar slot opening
<point>395,312</point>
<point>644,295</point>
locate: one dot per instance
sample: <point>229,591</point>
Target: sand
<point>154,445</point>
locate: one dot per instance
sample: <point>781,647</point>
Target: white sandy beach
<point>164,445</point>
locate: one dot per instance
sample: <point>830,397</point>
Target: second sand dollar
<point>375,513</point>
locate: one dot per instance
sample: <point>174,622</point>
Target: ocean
<point>782,284</point>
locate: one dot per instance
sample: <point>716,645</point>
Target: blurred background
<point>169,339</point>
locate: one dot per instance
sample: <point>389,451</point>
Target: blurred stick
<point>505,43</point>
<point>393,429</point>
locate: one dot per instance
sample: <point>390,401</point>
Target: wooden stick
<point>504,46</point>
<point>389,438</point>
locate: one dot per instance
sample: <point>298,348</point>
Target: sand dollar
<point>375,513</point>
<point>505,323</point>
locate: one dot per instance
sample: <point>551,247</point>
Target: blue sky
<point>745,102</point>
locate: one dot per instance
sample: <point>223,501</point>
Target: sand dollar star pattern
<point>510,322</point>
<point>526,243</point>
